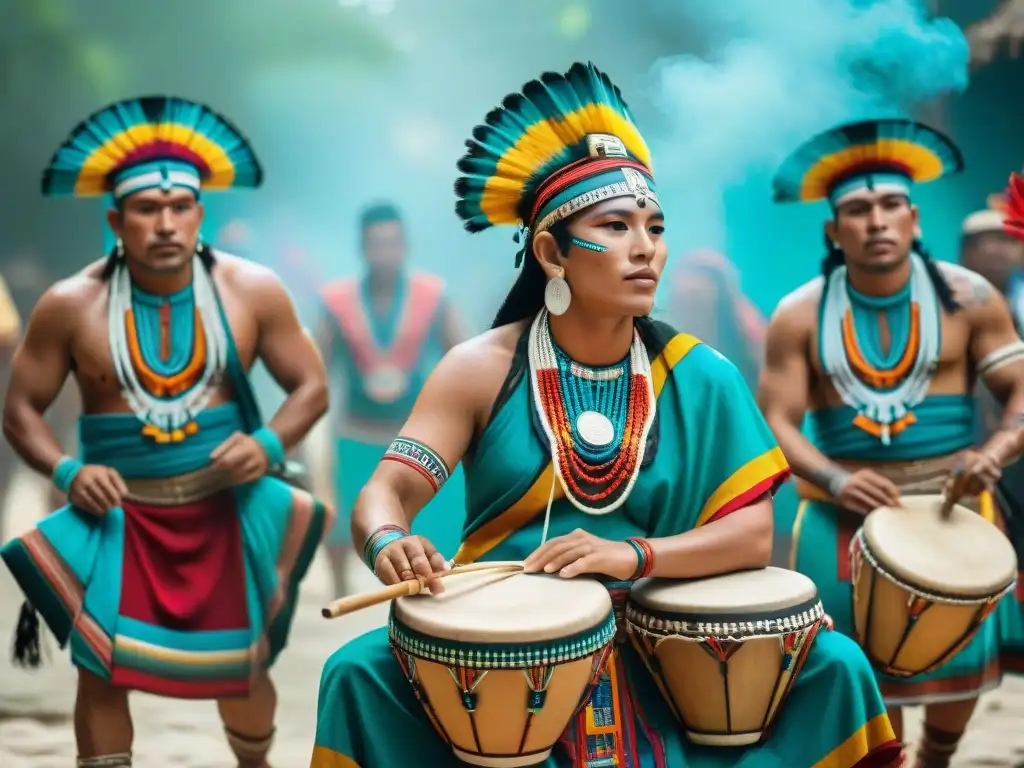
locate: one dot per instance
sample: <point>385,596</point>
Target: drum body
<point>502,661</point>
<point>725,651</point>
<point>922,585</point>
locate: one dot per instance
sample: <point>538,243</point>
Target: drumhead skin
<point>964,556</point>
<point>496,607</point>
<point>767,590</point>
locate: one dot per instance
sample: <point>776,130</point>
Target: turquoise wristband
<point>271,444</point>
<point>65,472</point>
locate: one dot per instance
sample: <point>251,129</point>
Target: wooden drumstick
<point>952,494</point>
<point>353,603</point>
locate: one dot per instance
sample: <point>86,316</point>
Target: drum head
<point>964,556</point>
<point>764,590</point>
<point>503,607</point>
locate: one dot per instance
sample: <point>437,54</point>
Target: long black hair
<point>834,259</point>
<point>203,251</point>
<point>526,297</point>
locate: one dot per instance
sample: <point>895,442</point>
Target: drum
<point>726,650</point>
<point>922,585</point>
<point>502,661</point>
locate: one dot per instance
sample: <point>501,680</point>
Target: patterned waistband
<point>913,478</point>
<point>183,489</point>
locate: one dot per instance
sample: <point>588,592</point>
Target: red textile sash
<point>184,566</point>
<point>343,299</point>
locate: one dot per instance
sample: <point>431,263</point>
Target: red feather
<point>1013,224</point>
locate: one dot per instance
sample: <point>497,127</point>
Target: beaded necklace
<point>883,400</point>
<point>596,419</point>
<point>166,419</point>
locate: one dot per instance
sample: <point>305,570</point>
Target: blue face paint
<point>580,243</point>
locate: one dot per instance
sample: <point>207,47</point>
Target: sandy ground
<point>35,708</point>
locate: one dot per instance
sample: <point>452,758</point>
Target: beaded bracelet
<point>376,542</point>
<point>65,472</point>
<point>644,557</point>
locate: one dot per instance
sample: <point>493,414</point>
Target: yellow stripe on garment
<point>750,475</point>
<point>181,657</point>
<point>869,737</point>
<point>921,162</point>
<point>92,178</point>
<point>530,504</point>
<point>545,139</point>
<point>328,758</point>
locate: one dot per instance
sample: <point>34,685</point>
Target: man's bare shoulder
<point>245,275</point>
<point>969,288</point>
<point>75,292</point>
<point>798,309</point>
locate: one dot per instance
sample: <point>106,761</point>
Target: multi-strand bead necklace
<point>596,419</point>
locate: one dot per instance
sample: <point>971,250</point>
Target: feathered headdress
<point>151,142</point>
<point>1013,223</point>
<point>565,143</point>
<point>873,154</point>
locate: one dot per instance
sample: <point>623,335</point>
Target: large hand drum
<point>725,651</point>
<point>923,584</point>
<point>502,662</point>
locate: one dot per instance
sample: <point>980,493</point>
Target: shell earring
<point>557,295</point>
<point>119,248</point>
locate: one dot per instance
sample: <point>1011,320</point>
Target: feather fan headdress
<point>887,154</point>
<point>151,142</point>
<point>1014,221</point>
<point>564,143</point>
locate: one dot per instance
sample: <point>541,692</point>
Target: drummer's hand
<point>242,457</point>
<point>97,489</point>
<point>865,491</point>
<point>580,552</point>
<point>977,472</point>
<point>409,558</point>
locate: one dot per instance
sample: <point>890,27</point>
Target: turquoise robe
<point>442,519</point>
<point>822,532</point>
<point>714,454</point>
<point>74,567</point>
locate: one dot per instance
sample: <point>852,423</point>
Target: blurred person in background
<point>26,280</point>
<point>10,335</point>
<point>707,301</point>
<point>882,351</point>
<point>993,243</point>
<point>175,568</point>
<point>381,333</point>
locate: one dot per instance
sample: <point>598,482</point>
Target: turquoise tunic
<point>442,519</point>
<point>713,454</point>
<point>822,533</point>
<point>73,566</point>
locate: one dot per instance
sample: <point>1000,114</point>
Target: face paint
<point>580,243</point>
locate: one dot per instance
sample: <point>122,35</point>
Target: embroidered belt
<point>182,489</point>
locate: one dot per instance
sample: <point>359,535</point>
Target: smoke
<point>774,74</point>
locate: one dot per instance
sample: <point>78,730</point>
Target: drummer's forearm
<point>1006,444</point>
<point>738,541</point>
<point>806,461</point>
<point>389,498</point>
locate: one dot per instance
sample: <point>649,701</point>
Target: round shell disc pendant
<point>386,384</point>
<point>595,428</point>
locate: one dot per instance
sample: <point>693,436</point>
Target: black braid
<point>942,289</point>
<point>834,258</point>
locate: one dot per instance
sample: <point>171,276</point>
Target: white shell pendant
<point>595,428</point>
